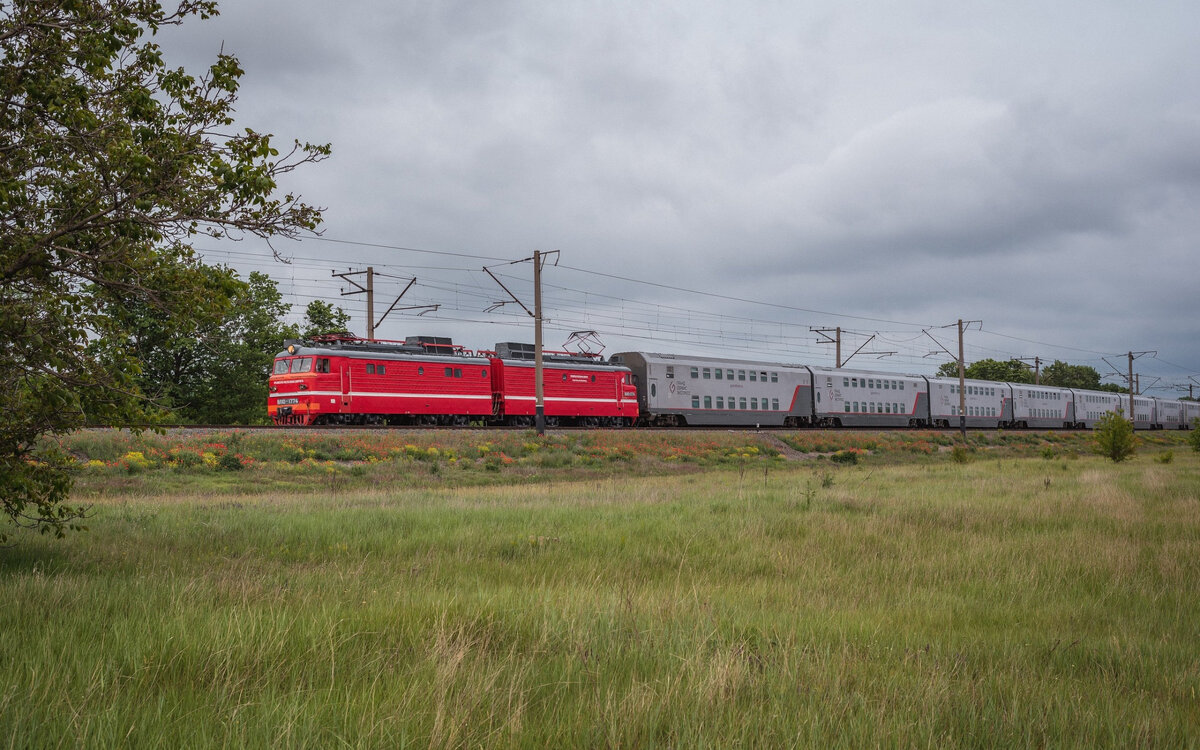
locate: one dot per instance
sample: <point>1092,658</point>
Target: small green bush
<point>1114,436</point>
<point>960,454</point>
<point>1166,457</point>
<point>844,457</point>
<point>1194,435</point>
<point>230,461</point>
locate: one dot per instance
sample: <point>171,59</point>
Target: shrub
<point>230,461</point>
<point>1166,457</point>
<point>960,454</point>
<point>844,457</point>
<point>1114,436</point>
<point>1194,435</point>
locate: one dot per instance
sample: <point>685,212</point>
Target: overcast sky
<point>876,166</point>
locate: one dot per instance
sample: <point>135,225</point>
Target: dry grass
<point>999,602</point>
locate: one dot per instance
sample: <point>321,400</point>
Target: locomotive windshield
<point>296,364</point>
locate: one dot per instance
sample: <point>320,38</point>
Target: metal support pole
<point>962,385</point>
<point>539,420</point>
<point>1131,419</point>
<point>839,347</point>
<point>370,303</point>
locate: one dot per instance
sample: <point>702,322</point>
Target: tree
<point>1064,375</point>
<point>1114,436</point>
<point>321,318</point>
<point>110,162</point>
<point>1010,371</point>
<point>213,367</point>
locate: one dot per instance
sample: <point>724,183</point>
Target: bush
<point>1114,436</point>
<point>960,454</point>
<point>844,457</point>
<point>230,462</point>
<point>1194,435</point>
<point>1165,458</point>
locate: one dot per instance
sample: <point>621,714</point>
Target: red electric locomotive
<point>341,379</point>
<point>577,389</point>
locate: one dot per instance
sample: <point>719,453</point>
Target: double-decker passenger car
<point>860,398</point>
<point>679,390</point>
<point>988,405</point>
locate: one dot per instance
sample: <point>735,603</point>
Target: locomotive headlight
<point>291,348</point>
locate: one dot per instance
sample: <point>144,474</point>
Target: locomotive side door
<point>345,372</point>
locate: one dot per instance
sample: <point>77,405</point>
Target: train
<point>428,380</point>
<point>423,380</point>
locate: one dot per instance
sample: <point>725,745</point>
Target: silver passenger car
<point>989,404</point>
<point>861,398</point>
<point>690,390</point>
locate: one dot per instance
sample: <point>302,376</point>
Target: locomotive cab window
<point>281,366</point>
<point>371,369</point>
<point>381,369</point>
<point>301,364</point>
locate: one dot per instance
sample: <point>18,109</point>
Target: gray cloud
<point>1035,166</point>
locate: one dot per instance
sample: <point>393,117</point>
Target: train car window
<point>901,385</point>
<point>743,402</point>
<point>887,408</point>
<point>720,402</point>
<point>856,406</point>
<point>708,402</point>
<point>707,374</point>
<point>370,369</point>
<point>653,390</point>
<point>695,402</point>
<point>718,373</point>
<point>695,372</point>
<point>741,374</point>
<point>774,377</point>
<point>420,370</point>
<point>670,372</point>
<point>753,376</point>
<point>847,407</point>
<point>845,382</point>
<point>729,374</point>
<point>483,374</point>
<point>381,369</point>
<point>775,404</point>
<point>593,378</point>
<point>301,364</point>
<point>457,372</point>
<point>762,377</point>
<point>281,366</point>
<point>449,372</point>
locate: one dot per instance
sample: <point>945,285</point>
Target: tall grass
<point>997,603</point>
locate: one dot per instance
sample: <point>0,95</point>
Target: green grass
<point>1009,601</point>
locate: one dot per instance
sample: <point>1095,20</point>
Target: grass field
<point>609,590</point>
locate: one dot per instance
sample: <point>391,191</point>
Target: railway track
<point>505,428</point>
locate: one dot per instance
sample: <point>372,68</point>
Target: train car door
<point>346,390</point>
